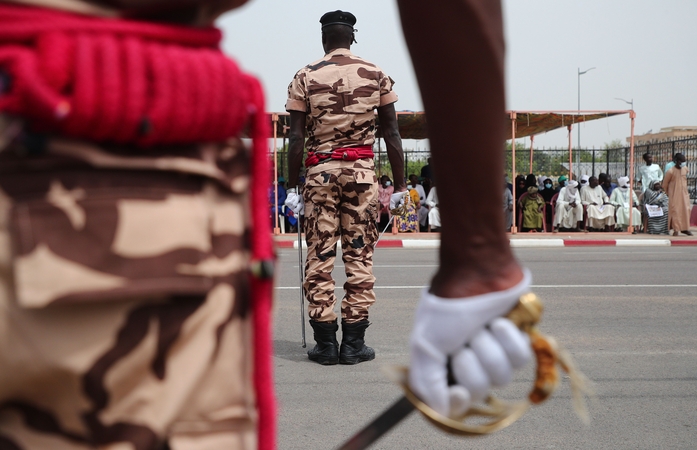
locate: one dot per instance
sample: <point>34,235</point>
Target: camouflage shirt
<point>339,93</point>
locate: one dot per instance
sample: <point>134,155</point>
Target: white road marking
<point>634,353</point>
<point>405,265</point>
<point>382,266</point>
<point>281,288</point>
<point>611,285</point>
<point>669,251</point>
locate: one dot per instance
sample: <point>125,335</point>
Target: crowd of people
<point>421,207</point>
<point>597,204</point>
<point>591,204</point>
<point>287,221</point>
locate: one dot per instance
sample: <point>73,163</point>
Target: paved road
<point>629,316</point>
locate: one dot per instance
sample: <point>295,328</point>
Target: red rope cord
<point>109,80</point>
<point>262,288</point>
<point>135,101</point>
<point>22,23</point>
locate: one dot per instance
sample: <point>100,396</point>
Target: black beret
<point>338,18</point>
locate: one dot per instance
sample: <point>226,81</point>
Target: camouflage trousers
<point>140,369</point>
<point>341,202</point>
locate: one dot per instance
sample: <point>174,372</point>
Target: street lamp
<point>631,102</point>
<point>578,132</point>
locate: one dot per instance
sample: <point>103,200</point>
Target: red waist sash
<point>346,154</point>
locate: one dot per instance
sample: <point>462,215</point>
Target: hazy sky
<point>643,50</point>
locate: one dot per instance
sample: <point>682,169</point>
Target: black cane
<point>302,282</point>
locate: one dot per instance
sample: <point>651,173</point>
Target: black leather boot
<point>353,349</point>
<point>326,352</point>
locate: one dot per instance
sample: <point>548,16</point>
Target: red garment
<point>384,195</point>
<point>144,84</point>
<point>346,154</point>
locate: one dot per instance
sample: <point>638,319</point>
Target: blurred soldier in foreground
<point>126,319</point>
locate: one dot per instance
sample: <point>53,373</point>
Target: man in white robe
<point>601,214</point>
<point>433,212</point>
<point>620,199</point>
<point>583,183</point>
<point>568,209</point>
<point>649,171</point>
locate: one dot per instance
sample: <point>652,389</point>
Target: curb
<point>684,242</point>
<point>525,243</point>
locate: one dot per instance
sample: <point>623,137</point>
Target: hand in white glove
<point>484,347</point>
<point>294,201</point>
<point>397,199</point>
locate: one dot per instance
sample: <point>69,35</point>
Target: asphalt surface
<point>627,315</point>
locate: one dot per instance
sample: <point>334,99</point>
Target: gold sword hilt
<point>498,413</point>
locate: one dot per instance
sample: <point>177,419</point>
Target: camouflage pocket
<point>365,176</point>
<point>323,99</point>
<point>87,244</point>
<point>319,179</point>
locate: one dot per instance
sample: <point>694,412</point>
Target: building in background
<point>665,134</point>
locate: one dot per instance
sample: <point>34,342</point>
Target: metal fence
<point>615,162</point>
<point>555,162</point>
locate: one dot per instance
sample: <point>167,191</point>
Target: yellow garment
<point>532,216</point>
<point>415,198</point>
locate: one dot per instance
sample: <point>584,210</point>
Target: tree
<point>615,150</point>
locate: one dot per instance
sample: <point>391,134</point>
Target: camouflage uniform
<point>340,93</point>
<point>123,307</point>
<point>124,296</point>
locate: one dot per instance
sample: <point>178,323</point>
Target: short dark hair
<point>338,33</point>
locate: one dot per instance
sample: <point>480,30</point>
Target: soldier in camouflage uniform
<point>124,287</point>
<point>334,101</point>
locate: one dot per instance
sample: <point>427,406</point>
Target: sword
<point>503,414</point>
<point>380,425</point>
<point>526,314</point>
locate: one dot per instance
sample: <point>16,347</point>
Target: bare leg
<point>457,50</point>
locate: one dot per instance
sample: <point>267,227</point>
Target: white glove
<point>397,199</point>
<point>294,201</point>
<point>481,356</point>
